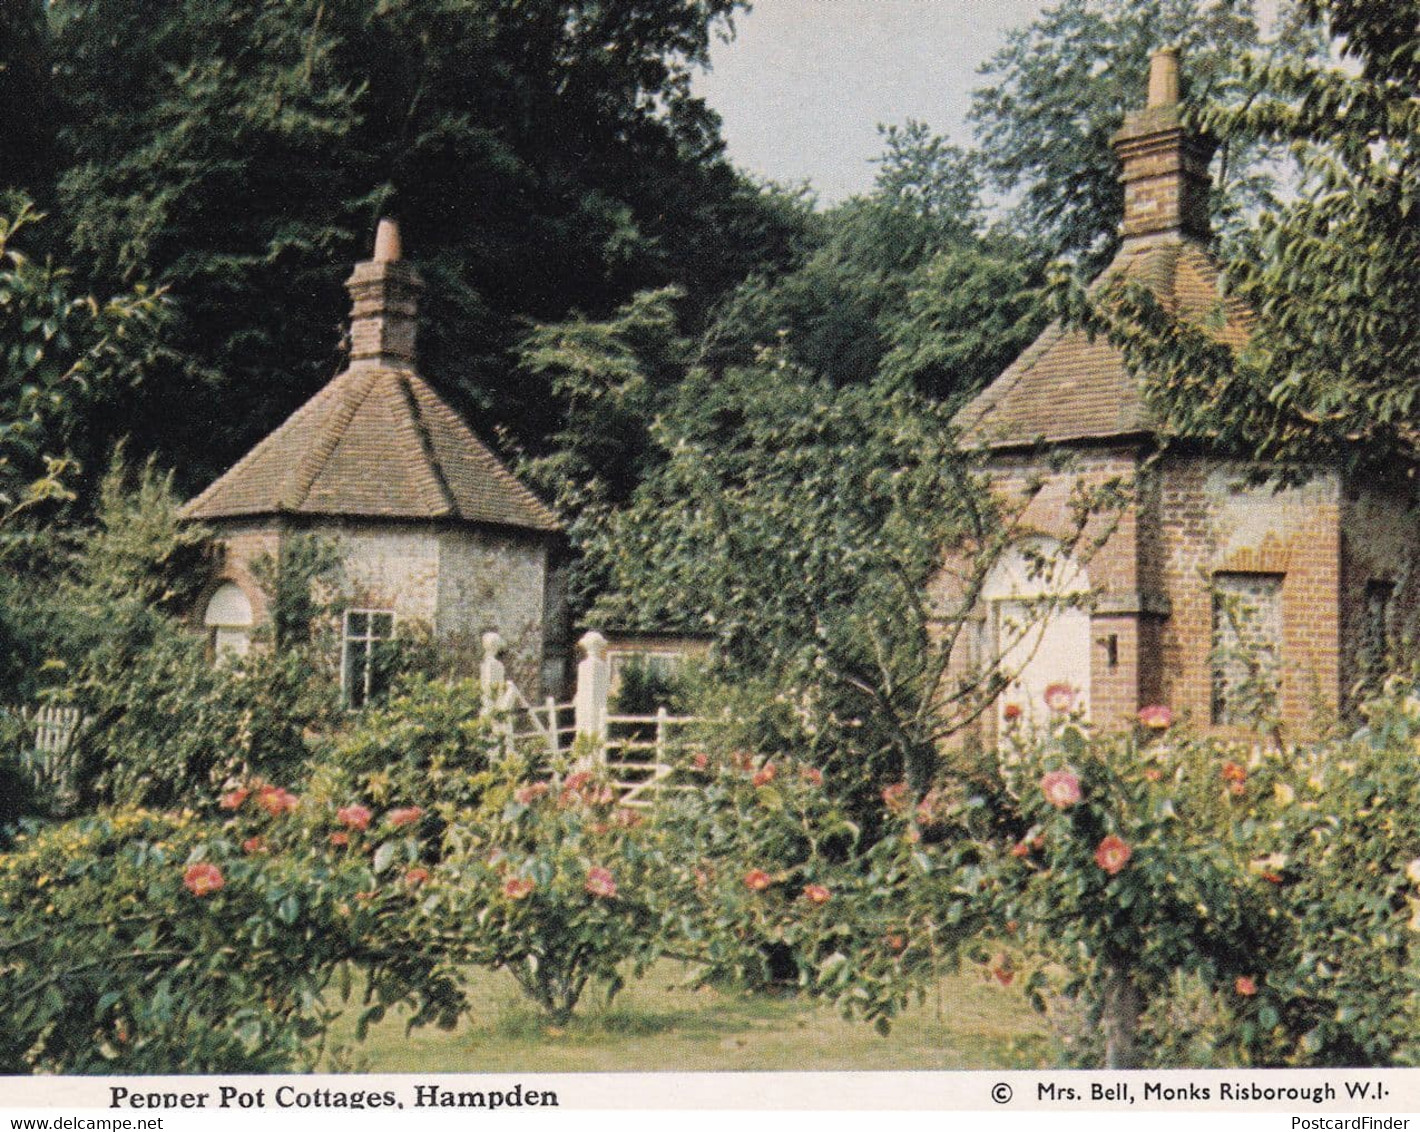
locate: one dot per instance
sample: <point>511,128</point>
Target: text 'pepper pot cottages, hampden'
<point>430,534</point>
<point>1232,602</point>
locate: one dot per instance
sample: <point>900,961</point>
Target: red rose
<point>600,882</point>
<point>354,817</point>
<point>1113,854</point>
<point>896,942</point>
<point>757,880</point>
<point>1245,986</point>
<point>203,878</point>
<point>1156,717</point>
<point>276,800</point>
<point>1011,712</point>
<point>1003,970</point>
<point>339,838</point>
<point>1020,849</point>
<point>812,775</point>
<point>1060,698</point>
<point>765,775</point>
<point>895,798</point>
<point>406,815</point>
<point>1271,878</point>
<point>416,876</point>
<point>1061,788</point>
<point>1234,775</point>
<point>816,894</point>
<point>253,845</point>
<point>515,888</point>
<point>700,760</point>
<point>233,799</point>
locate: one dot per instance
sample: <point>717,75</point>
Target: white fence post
<point>593,684</point>
<point>554,741</point>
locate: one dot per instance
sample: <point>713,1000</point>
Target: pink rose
<point>203,879</point>
<point>1156,717</point>
<point>406,815</point>
<point>1060,698</point>
<point>1113,854</point>
<point>515,888</point>
<point>1061,788</point>
<point>600,882</point>
<point>354,817</point>
<point>816,894</point>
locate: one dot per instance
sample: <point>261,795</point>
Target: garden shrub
<point>139,942</point>
<point>556,883</point>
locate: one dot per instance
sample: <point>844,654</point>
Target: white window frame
<point>368,639</point>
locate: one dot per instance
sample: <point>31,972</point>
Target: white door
<point>1041,645</point>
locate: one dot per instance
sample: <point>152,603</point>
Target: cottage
<point>432,534</point>
<point>1228,600</point>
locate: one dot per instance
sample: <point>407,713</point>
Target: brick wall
<point>489,580</point>
<point>1187,519</point>
<point>1380,542</point>
<point>456,583</point>
<point>1213,522</point>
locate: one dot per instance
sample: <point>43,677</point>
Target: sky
<point>804,83</point>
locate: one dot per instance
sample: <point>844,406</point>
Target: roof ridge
<point>432,467</point>
<point>421,388</point>
<point>315,458</point>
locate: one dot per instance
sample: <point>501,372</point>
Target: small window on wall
<point>367,654</point>
<point>1247,648</point>
<point>1375,643</point>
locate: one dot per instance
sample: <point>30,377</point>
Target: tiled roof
<point>377,442</point>
<point>1065,387</point>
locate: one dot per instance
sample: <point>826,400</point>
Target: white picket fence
<point>642,752</point>
<point>48,757</point>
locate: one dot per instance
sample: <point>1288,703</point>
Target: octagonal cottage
<point>431,534</point>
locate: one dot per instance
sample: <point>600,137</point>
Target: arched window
<point>1040,629</point>
<point>228,621</point>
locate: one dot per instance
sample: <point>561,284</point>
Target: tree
<point>810,528</point>
<point>62,354</point>
<point>1329,374</point>
<point>1059,91</point>
<point>544,158</point>
<point>902,283</point>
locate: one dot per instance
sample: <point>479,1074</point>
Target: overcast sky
<point>804,83</point>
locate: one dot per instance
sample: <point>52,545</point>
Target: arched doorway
<point>228,621</point>
<point>1039,628</point>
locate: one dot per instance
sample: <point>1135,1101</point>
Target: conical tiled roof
<point>377,442</point>
<point>1065,387</point>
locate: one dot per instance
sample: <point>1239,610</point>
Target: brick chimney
<point>1164,167</point>
<point>384,292</point>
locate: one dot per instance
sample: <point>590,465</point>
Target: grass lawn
<point>659,1023</point>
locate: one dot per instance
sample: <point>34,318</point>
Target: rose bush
<point>555,882</point>
<point>140,942</point>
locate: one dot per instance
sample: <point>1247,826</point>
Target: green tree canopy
<point>1330,373</point>
<point>1058,92</point>
<point>544,157</point>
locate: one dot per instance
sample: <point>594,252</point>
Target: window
<point>1375,643</point>
<point>228,621</point>
<point>366,655</point>
<point>1247,648</point>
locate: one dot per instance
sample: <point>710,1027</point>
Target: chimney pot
<point>1163,77</point>
<point>387,248</point>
